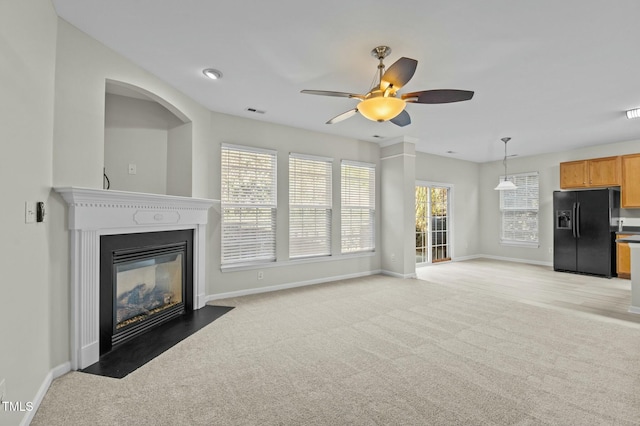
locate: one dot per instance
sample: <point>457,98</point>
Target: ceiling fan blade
<point>331,93</point>
<point>399,73</point>
<point>402,119</point>
<point>340,117</point>
<point>438,96</point>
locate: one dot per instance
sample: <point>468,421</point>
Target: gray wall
<point>144,133</point>
<point>68,149</point>
<point>53,134</point>
<point>548,165</point>
<point>144,148</point>
<point>242,131</point>
<point>27,49</point>
<point>464,176</point>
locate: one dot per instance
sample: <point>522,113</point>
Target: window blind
<point>358,199</point>
<point>519,210</point>
<point>309,206</point>
<point>248,201</point>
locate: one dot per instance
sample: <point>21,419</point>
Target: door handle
<point>573,220</point>
<point>578,220</point>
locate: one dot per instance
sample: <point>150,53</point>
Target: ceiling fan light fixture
<point>633,113</point>
<point>211,73</point>
<point>380,108</point>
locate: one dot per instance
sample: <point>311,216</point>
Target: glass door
<point>432,224</point>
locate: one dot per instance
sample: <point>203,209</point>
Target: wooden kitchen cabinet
<point>630,190</point>
<point>605,171</point>
<point>623,258</point>
<point>574,174</point>
<point>595,172</point>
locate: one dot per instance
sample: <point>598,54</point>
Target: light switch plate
<point>29,212</point>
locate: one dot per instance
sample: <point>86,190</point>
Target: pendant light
<point>505,185</point>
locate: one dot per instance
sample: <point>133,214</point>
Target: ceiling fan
<point>382,102</point>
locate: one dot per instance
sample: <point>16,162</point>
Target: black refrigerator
<point>583,238</point>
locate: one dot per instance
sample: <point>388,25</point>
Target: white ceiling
<point>553,75</point>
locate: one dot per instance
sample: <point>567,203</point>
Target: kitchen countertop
<point>631,239</point>
<point>630,230</point>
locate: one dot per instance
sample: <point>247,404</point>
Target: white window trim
<point>372,209</point>
<point>233,267</point>
<point>451,214</point>
<point>231,205</point>
<point>516,243</point>
<point>327,207</point>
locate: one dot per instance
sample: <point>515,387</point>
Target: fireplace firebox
<point>145,281</point>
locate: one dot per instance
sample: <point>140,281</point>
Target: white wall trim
<point>463,258</point>
<point>450,207</point>
<point>513,259</point>
<point>634,309</point>
<point>397,275</point>
<point>398,155</point>
<point>259,290</point>
<point>400,139</point>
<point>56,372</point>
<point>294,262</point>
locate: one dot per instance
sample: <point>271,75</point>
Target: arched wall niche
<point>147,144</point>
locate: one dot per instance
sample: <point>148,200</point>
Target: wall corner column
<point>397,192</point>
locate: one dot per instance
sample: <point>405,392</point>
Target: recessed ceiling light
<point>633,113</point>
<point>212,74</point>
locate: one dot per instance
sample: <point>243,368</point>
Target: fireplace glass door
<point>146,287</point>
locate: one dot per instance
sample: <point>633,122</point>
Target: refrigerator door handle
<point>578,220</point>
<point>573,222</point>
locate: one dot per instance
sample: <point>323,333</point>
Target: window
<point>309,206</point>
<point>358,206</point>
<point>519,211</point>
<point>248,201</point>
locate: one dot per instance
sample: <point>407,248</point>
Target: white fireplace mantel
<point>96,212</point>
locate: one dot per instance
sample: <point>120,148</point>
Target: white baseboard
<point>513,259</point>
<point>634,310</point>
<point>397,275</point>
<point>250,291</point>
<point>463,258</point>
<point>56,372</point>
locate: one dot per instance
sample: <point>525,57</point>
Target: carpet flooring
<point>373,351</point>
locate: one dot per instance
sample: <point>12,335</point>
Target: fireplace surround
<point>94,213</point>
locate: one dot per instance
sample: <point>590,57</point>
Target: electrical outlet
<point>550,250</point>
<point>3,390</point>
<point>260,275</point>
<point>393,257</point>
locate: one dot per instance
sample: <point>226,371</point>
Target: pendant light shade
<point>505,185</point>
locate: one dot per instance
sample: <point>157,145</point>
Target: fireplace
<point>96,213</point>
<point>145,280</point>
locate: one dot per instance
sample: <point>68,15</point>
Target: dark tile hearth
<point>136,352</point>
